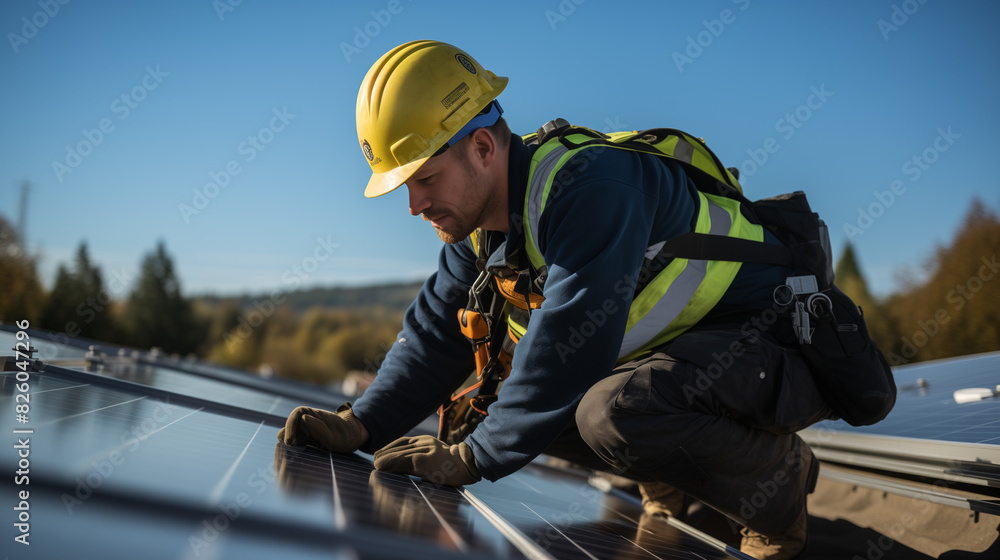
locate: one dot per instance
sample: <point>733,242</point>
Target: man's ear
<point>483,146</point>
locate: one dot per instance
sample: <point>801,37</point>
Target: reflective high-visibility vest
<point>673,298</point>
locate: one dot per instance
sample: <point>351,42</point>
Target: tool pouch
<point>846,364</point>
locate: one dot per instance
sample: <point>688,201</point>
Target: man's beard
<point>477,201</point>
<point>451,237</point>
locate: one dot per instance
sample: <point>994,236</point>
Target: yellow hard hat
<point>414,100</point>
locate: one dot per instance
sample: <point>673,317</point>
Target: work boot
<point>661,499</point>
<point>785,546</point>
<point>792,541</point>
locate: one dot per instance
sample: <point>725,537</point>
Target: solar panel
<point>159,458</point>
<point>155,457</point>
<point>569,518</point>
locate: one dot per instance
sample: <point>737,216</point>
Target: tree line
<point>945,306</point>
<point>318,345</point>
<point>948,308</point>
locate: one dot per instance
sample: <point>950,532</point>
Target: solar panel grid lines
<point>132,439</point>
<point>193,460</point>
<point>117,435</point>
<point>643,530</point>
<point>559,531</point>
<point>564,521</point>
<point>50,384</point>
<point>599,544</point>
<point>274,405</point>
<point>576,520</point>
<point>647,520</point>
<point>188,466</point>
<point>422,508</point>
<point>363,497</point>
<point>455,537</point>
<point>50,390</point>
<point>220,487</point>
<point>124,524</point>
<point>512,533</point>
<point>339,518</point>
<point>245,445</point>
<point>60,419</point>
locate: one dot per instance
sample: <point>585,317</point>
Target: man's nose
<point>418,200</point>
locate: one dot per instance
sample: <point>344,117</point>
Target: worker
<point>666,371</point>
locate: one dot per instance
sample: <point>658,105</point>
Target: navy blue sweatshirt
<point>593,237</point>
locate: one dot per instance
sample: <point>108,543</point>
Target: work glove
<point>431,459</point>
<point>339,432</point>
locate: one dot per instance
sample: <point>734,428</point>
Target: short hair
<point>501,134</point>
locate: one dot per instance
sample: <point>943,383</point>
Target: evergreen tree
<point>78,304</point>
<point>57,314</point>
<point>852,282</point>
<point>22,296</point>
<point>157,314</point>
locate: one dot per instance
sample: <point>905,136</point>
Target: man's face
<point>451,193</point>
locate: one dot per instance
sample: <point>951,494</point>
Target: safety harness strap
<point>482,321</point>
<point>705,246</point>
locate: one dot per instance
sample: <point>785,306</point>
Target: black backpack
<point>846,364</point>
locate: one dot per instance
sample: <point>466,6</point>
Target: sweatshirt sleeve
<point>430,357</point>
<point>593,236</point>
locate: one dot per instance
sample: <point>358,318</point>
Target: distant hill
<point>392,296</point>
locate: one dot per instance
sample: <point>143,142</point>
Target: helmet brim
<point>384,183</point>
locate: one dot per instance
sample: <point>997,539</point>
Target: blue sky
<point>121,113</point>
